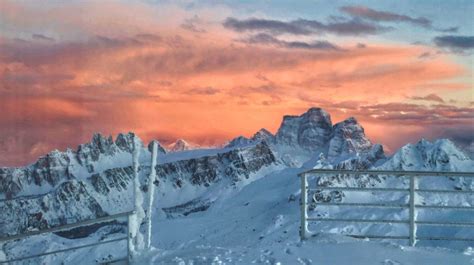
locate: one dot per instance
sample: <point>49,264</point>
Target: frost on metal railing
<point>66,227</point>
<point>414,198</point>
<point>133,219</point>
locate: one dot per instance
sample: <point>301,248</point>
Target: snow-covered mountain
<point>181,145</point>
<point>242,198</point>
<point>96,180</point>
<point>313,131</point>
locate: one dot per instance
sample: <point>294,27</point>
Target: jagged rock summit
<point>313,131</point>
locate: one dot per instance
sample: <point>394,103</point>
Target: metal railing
<point>130,214</point>
<point>412,191</point>
<point>72,226</point>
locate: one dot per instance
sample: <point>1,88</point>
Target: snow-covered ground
<point>256,222</point>
<point>260,224</point>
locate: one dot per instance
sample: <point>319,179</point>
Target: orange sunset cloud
<point>207,85</point>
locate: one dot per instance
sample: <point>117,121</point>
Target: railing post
<point>304,204</point>
<point>129,240</point>
<point>412,211</point>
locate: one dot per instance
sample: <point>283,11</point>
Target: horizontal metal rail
<point>444,191</point>
<point>358,189</point>
<point>65,250</point>
<point>390,172</point>
<point>407,238</point>
<point>375,221</point>
<point>391,205</point>
<point>389,189</point>
<point>447,207</point>
<point>437,223</point>
<point>412,190</point>
<point>67,226</point>
<point>383,205</point>
<point>377,236</point>
<point>445,238</point>
<point>358,220</point>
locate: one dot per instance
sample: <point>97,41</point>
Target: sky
<point>208,71</point>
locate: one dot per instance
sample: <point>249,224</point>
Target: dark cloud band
<point>364,12</point>
<point>455,43</point>
<point>263,38</point>
<point>303,26</point>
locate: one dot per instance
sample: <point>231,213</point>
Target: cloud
<point>455,43</point>
<point>384,16</point>
<point>449,30</point>
<point>430,97</point>
<point>41,37</point>
<point>263,38</point>
<point>191,24</point>
<point>343,27</point>
<point>203,91</point>
<point>371,14</point>
<point>418,115</point>
<point>273,26</point>
<point>56,94</point>
<point>352,27</point>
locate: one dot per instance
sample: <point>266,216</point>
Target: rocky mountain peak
<point>180,145</point>
<point>262,134</point>
<point>348,137</point>
<point>442,155</point>
<point>239,141</point>
<point>311,130</point>
<point>125,142</point>
<point>89,153</point>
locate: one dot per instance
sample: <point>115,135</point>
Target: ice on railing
<point>151,192</point>
<point>136,219</point>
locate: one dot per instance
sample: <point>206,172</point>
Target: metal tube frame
<point>411,206</point>
<point>128,238</point>
<point>68,227</point>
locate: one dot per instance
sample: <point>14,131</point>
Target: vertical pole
<point>304,203</point>
<point>151,192</point>
<point>412,211</point>
<point>129,241</point>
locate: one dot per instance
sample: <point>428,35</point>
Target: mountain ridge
<point>102,167</point>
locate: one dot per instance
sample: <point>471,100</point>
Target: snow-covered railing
<point>69,227</point>
<point>412,191</point>
<point>134,218</point>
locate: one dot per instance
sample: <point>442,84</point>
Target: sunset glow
<point>208,72</point>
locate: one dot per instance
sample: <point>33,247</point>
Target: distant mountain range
<point>96,179</point>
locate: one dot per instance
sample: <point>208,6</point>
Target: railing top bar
<point>375,221</point>
<point>65,250</point>
<point>355,189</point>
<point>358,189</point>
<point>379,237</point>
<point>382,205</point>
<point>67,226</point>
<point>389,172</point>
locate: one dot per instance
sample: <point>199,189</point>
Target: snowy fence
<point>134,218</point>
<point>412,191</point>
<point>69,227</point>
